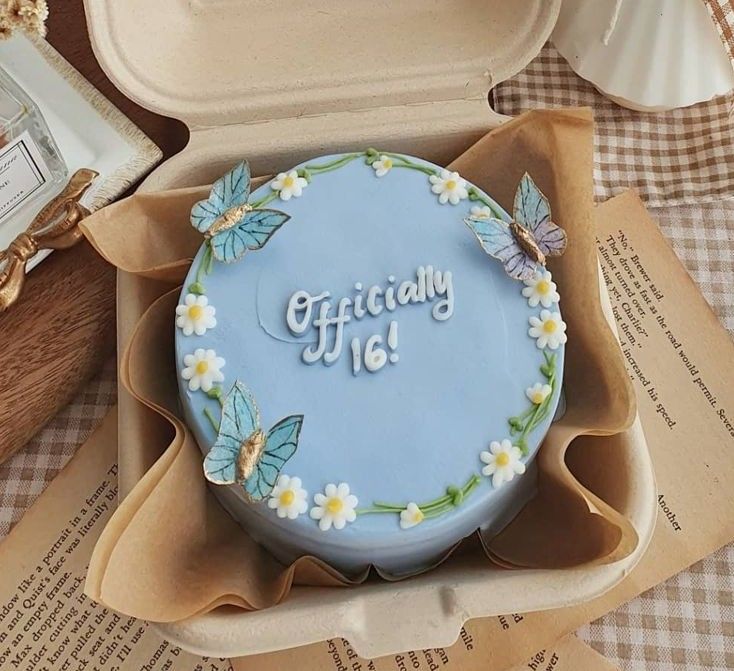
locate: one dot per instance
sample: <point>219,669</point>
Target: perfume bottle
<point>32,169</point>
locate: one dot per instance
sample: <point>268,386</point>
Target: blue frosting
<point>407,431</point>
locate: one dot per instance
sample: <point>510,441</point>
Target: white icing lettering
<point>427,285</point>
<point>407,292</point>
<point>421,275</point>
<point>444,286</point>
<point>390,303</point>
<point>311,354</point>
<point>301,301</point>
<point>356,356</point>
<point>372,293</point>
<point>430,289</point>
<point>358,308</point>
<point>374,356</point>
<point>392,335</point>
<point>341,318</point>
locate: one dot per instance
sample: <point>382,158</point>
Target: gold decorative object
<point>527,243</point>
<point>249,454</point>
<point>229,219</point>
<point>54,227</point>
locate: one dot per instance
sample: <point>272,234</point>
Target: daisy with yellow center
<point>383,166</point>
<point>450,187</point>
<point>195,315</point>
<point>288,497</point>
<point>541,288</point>
<point>549,330</point>
<point>202,369</point>
<point>503,461</point>
<point>538,392</point>
<point>335,507</point>
<point>289,185</point>
<point>411,516</point>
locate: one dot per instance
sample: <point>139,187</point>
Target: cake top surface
<point>367,326</point>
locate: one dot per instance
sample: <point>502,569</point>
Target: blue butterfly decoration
<point>243,453</point>
<point>230,223</point>
<point>524,243</point>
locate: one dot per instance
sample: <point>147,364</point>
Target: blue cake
<point>369,352</point>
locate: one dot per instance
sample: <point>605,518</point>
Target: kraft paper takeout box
<point>280,83</point>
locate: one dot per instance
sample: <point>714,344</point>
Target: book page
<point>46,621</point>
<point>568,654</point>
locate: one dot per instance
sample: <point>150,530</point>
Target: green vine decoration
<point>215,393</point>
<point>399,161</point>
<point>453,497</point>
<point>309,171</point>
<point>521,425</point>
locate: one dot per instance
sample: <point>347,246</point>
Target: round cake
<point>369,352</point>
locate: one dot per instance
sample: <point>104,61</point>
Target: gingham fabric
<point>722,13</point>
<point>684,624</point>
<point>703,238</point>
<point>25,475</point>
<point>679,157</point>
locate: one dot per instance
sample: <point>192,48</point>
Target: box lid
<point>216,62</point>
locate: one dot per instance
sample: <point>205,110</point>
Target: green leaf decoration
<point>197,288</point>
<point>371,155</point>
<point>215,392</point>
<point>515,423</point>
<point>456,494</point>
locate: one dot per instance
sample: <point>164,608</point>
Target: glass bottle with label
<point>32,170</point>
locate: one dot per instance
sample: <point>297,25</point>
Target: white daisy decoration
<point>383,166</point>
<point>449,187</point>
<point>195,315</point>
<point>411,516</point>
<point>538,392</point>
<point>335,507</point>
<point>541,288</point>
<point>289,185</point>
<point>288,498</point>
<point>480,212</point>
<point>549,330</point>
<point>503,462</point>
<point>202,369</point>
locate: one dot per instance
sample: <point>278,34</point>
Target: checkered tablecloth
<point>722,14</point>
<point>673,158</point>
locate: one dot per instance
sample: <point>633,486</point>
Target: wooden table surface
<point>63,327</point>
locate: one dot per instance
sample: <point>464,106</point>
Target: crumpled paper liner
<point>170,551</point>
<point>566,524</point>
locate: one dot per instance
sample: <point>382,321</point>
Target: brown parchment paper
<point>565,524</point>
<point>169,526</point>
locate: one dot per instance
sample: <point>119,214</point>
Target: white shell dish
<point>652,55</point>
